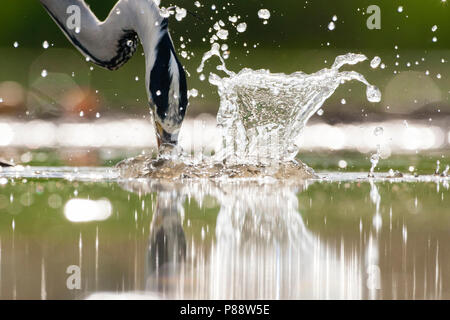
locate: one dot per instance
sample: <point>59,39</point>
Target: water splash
<point>375,158</point>
<point>445,172</point>
<point>262,114</point>
<point>437,171</point>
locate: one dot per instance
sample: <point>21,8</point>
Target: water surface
<point>343,236</point>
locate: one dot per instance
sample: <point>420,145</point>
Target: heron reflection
<point>167,243</point>
<point>260,247</point>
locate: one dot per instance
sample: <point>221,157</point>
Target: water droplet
<point>241,27</point>
<point>264,14</point>
<point>320,112</point>
<point>434,28</point>
<point>343,101</point>
<point>158,93</point>
<point>438,165</point>
<point>434,39</point>
<point>378,131</point>
<point>331,26</point>
<point>374,159</point>
<point>16,44</point>
<point>222,34</point>
<point>193,92</point>
<point>375,62</point>
<point>45,45</point>
<point>44,73</point>
<point>180,13</point>
<point>447,169</point>
<point>400,9</point>
<point>373,94</point>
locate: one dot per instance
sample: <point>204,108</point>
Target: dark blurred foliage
<point>298,24</point>
<point>296,38</point>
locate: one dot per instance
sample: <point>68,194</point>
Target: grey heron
<point>112,42</point>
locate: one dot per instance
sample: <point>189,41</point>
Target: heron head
<point>168,91</point>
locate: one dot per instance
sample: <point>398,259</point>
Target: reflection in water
<point>372,254</point>
<point>261,249</point>
<point>167,243</point>
<point>369,239</point>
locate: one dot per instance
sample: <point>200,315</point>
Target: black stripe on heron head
<point>183,103</point>
<point>160,77</point>
<point>164,24</point>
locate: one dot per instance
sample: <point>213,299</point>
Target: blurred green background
<point>295,38</point>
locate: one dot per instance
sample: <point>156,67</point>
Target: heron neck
<point>146,20</point>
